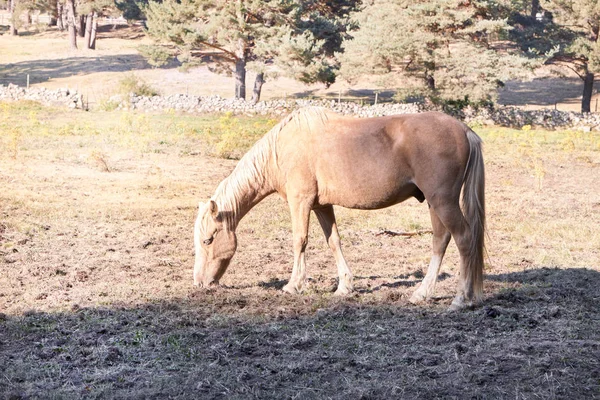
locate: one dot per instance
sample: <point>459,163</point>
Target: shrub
<point>234,137</point>
<point>132,83</point>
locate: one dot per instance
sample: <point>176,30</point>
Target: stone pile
<point>60,97</point>
<point>546,118</point>
<point>504,116</point>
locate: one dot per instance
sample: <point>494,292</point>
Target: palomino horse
<point>316,159</point>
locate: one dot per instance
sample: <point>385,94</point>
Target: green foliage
<point>298,37</point>
<point>582,17</point>
<point>157,56</point>
<point>132,9</point>
<point>455,106</point>
<point>28,126</point>
<point>234,136</point>
<point>451,48</point>
<point>17,120</point>
<point>567,35</point>
<point>108,105</point>
<point>132,84</point>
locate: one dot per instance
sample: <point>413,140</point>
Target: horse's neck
<point>241,191</point>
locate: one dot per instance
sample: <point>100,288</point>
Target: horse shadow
<point>535,321</point>
<point>548,284</point>
<point>404,280</point>
<point>274,283</point>
<point>541,91</point>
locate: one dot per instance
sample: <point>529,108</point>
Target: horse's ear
<point>214,210</point>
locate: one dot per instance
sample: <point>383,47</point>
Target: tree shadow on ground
<point>40,71</point>
<point>130,32</point>
<point>28,33</point>
<point>541,91</point>
<point>535,337</point>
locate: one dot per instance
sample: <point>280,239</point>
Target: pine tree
<point>567,35</point>
<point>456,48</point>
<point>299,37</point>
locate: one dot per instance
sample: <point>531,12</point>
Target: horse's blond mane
<point>252,171</point>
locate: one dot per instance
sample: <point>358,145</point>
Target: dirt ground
<point>96,294</point>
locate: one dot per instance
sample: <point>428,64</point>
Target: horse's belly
<point>366,195</point>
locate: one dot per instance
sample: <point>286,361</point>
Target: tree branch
<point>565,63</point>
<point>230,53</point>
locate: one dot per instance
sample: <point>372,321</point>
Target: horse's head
<point>215,245</point>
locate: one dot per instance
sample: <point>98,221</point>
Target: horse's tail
<point>473,201</point>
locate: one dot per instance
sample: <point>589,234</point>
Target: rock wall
<point>210,104</point>
<point>61,97</point>
<point>504,116</point>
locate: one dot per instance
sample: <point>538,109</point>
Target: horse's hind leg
<point>441,238</point>
<point>452,217</point>
<point>300,213</point>
<point>326,218</point>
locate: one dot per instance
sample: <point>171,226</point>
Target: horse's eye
<point>208,241</point>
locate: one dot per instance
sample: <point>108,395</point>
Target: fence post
<point>27,81</point>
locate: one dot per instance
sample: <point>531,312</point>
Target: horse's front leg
<point>326,218</point>
<point>300,213</point>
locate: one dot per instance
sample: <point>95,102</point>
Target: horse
<point>315,159</point>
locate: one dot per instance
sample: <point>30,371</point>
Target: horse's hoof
<point>291,289</point>
<point>342,291</point>
<point>458,306</point>
<point>417,298</point>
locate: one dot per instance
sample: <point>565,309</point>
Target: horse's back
<point>372,162</point>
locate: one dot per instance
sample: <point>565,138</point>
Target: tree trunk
<point>260,79</point>
<point>81,26</point>
<point>88,30</point>
<point>240,69</point>
<point>13,18</point>
<point>53,12</point>
<point>59,16</point>
<point>71,23</point>
<point>535,7</point>
<point>240,78</point>
<point>588,87</point>
<point>65,15</point>
<point>93,33</point>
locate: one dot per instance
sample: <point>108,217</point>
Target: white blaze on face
<point>201,254</point>
<point>214,245</point>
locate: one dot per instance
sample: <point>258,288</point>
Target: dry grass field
<point>96,254</point>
